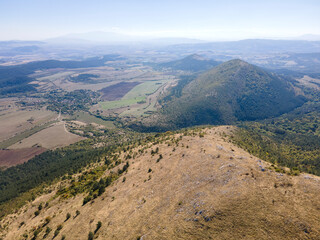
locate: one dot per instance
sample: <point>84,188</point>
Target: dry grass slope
<point>203,187</point>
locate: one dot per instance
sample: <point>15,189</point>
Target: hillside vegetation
<point>233,91</point>
<point>291,140</point>
<point>193,184</point>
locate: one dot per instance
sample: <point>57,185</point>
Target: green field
<point>135,95</point>
<point>87,118</point>
<point>121,103</point>
<point>143,89</point>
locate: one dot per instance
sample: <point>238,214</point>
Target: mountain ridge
<point>192,63</point>
<point>190,185</point>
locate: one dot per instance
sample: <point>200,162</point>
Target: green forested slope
<point>232,91</point>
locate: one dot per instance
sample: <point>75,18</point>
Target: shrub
<point>47,220</point>
<point>99,224</point>
<point>160,157</point>
<point>90,236</point>
<point>77,212</point>
<point>68,216</point>
<point>86,200</point>
<point>56,232</point>
<point>59,227</point>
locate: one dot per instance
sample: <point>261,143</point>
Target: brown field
<point>14,121</point>
<point>202,188</point>
<point>9,158</point>
<point>117,91</point>
<point>50,138</point>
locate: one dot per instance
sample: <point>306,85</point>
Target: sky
<point>200,19</point>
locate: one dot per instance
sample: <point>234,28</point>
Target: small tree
<point>90,236</point>
<point>160,157</point>
<point>56,232</point>
<point>36,213</point>
<point>99,224</point>
<point>47,220</point>
<point>68,216</point>
<point>48,230</point>
<point>77,213</point>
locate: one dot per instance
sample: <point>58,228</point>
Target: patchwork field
<point>50,138</point>
<point>139,100</point>
<point>117,91</point>
<point>120,103</point>
<point>106,76</point>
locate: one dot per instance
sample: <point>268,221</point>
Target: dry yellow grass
<point>205,188</point>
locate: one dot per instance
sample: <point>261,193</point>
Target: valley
<point>182,142</point>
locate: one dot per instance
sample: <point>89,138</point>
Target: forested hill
<point>232,91</point>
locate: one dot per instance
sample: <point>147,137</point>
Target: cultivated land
<point>202,187</point>
<point>50,138</point>
<point>15,120</point>
<point>9,157</point>
<point>117,91</point>
<point>86,118</point>
<point>107,76</point>
<point>139,100</point>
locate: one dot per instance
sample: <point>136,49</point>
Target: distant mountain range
<point>180,46</point>
<point>193,63</point>
<point>250,46</point>
<point>116,38</point>
<point>309,37</point>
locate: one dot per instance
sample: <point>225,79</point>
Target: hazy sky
<point>203,19</point>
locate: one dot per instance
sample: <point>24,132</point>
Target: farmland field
<point>143,89</point>
<point>87,118</point>
<point>117,91</point>
<point>16,121</point>
<point>19,137</point>
<point>52,137</point>
<point>137,99</point>
<point>120,103</point>
<point>107,76</point>
<point>9,157</point>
